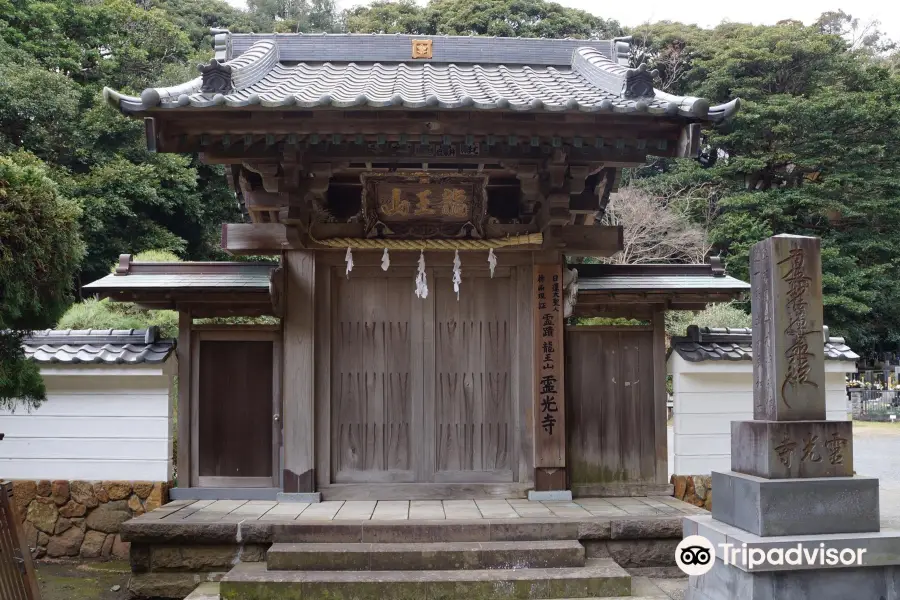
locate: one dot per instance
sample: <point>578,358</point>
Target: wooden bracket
<point>529,183</point>
<point>577,176</point>
<point>267,171</point>
<point>557,175</point>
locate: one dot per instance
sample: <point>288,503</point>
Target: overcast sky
<point>711,13</point>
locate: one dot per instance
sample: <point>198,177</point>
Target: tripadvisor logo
<point>695,555</point>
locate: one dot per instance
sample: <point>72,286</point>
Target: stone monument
<point>792,486</point>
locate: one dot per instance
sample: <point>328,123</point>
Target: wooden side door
<point>236,435</point>
<point>376,376</point>
<point>470,408</point>
<point>611,403</point>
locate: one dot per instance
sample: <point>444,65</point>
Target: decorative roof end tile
<point>216,77</point>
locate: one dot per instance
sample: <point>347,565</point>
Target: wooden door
<point>237,430</point>
<point>376,383</point>
<point>421,390</point>
<point>473,416</point>
<point>612,407</point>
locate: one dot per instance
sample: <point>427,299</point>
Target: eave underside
<point>282,163</point>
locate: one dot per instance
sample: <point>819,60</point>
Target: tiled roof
<point>708,343</point>
<point>656,278</point>
<point>661,282</point>
<point>259,278</point>
<point>344,71</point>
<point>237,276</point>
<point>98,346</point>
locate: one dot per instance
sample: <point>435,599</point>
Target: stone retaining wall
<point>694,489</point>
<point>82,518</point>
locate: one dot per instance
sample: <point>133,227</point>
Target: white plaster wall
<point>709,395</point>
<point>99,422</point>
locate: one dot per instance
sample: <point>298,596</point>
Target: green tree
<point>38,108</point>
<point>501,18</point>
<point>109,42</point>
<point>298,16</point>
<point>715,315</point>
<point>404,16</point>
<point>813,151</point>
<point>40,251</point>
<point>92,313</point>
<point>196,17</point>
<point>132,200</point>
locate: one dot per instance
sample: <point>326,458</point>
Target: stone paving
<point>415,510</point>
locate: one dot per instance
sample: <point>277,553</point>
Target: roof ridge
<point>81,337</point>
<point>244,73</point>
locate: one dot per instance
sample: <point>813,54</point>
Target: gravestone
<point>792,479</point>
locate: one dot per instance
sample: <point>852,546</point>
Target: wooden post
<point>660,416</point>
<point>549,391</point>
<point>298,388</point>
<point>183,354</point>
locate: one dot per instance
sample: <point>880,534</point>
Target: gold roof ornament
<point>421,48</point>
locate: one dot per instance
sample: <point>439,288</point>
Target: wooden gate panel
<point>610,395</point>
<point>474,425</point>
<point>18,580</point>
<point>372,383</point>
<point>235,404</point>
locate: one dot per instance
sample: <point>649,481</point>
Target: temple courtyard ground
<point>876,449</point>
<point>876,453</point>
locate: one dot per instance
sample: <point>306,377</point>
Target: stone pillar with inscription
<point>792,479</point>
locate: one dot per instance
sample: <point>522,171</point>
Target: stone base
<point>771,507</point>
<point>213,493</point>
<point>550,496</point>
<point>790,449</point>
<point>878,575</point>
<point>309,497</point>
<point>729,583</point>
<point>67,519</point>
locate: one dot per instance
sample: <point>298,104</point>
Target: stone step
<point>205,591</point>
<point>425,556</point>
<point>641,588</point>
<point>598,578</point>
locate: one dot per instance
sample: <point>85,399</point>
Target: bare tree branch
<point>655,230</point>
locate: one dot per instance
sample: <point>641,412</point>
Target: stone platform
<point>876,576</point>
<point>185,543</point>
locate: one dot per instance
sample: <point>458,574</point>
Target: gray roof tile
<point>97,346</point>
<point>633,283</point>
<point>708,343</point>
<point>377,71</point>
<point>248,279</point>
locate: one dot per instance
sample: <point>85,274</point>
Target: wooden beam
<point>609,155</point>
<point>259,238</point>
<point>584,240</point>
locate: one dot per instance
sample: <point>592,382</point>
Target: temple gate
<point>421,200</point>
